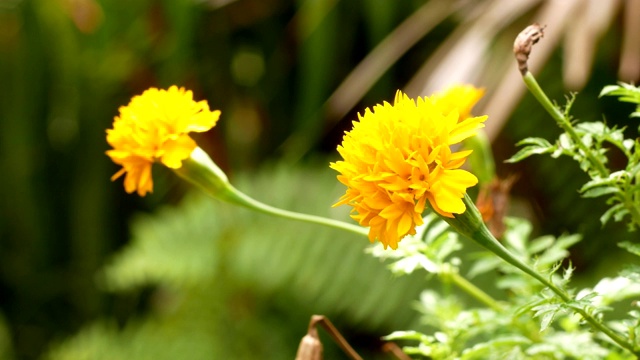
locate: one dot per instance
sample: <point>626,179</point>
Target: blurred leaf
<point>626,93</point>
<point>490,348</point>
<point>630,247</point>
<point>6,348</point>
<point>202,254</point>
<point>482,158</point>
<point>533,146</point>
<point>168,248</point>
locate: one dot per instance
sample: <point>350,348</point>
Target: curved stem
<point>562,121</point>
<point>201,171</point>
<point>242,199</point>
<point>450,274</point>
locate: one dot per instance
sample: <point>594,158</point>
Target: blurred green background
<point>88,272</point>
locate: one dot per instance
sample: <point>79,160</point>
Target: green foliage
<point>429,249</point>
<point>222,273</point>
<point>481,159</point>
<point>588,144</point>
<point>626,93</point>
<point>527,322</point>
<point>6,350</point>
<point>62,86</point>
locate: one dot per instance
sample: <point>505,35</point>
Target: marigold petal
<point>138,178</point>
<point>174,151</point>
<point>204,120</point>
<point>451,188</point>
<point>397,158</point>
<point>154,126</point>
<point>460,98</point>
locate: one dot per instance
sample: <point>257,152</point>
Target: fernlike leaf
<point>626,92</point>
<point>600,191</point>
<point>595,187</point>
<point>485,350</point>
<point>611,212</point>
<point>546,313</point>
<point>630,247</point>
<point>408,335</point>
<point>534,146</point>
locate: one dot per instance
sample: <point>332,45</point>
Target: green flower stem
<point>562,121</point>
<point>630,198</point>
<point>449,273</point>
<point>200,170</point>
<point>470,224</point>
<point>633,207</point>
<point>248,202</point>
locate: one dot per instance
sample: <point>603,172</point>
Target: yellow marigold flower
<point>398,157</point>
<point>154,127</point>
<point>459,97</point>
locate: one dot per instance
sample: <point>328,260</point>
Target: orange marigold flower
<point>397,158</point>
<point>154,127</point>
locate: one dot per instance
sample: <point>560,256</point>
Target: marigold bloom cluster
<point>397,158</point>
<point>154,127</point>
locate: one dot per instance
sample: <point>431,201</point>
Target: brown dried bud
<point>523,44</point>
<point>310,346</point>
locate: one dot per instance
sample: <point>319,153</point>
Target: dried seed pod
<point>523,44</point>
<point>310,346</point>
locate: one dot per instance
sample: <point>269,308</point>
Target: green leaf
<point>611,212</point>
<point>487,349</point>
<point>609,90</point>
<point>481,159</point>
<point>626,92</point>
<point>541,243</point>
<point>594,127</point>
<point>600,191</point>
<point>409,335</point>
<point>597,182</point>
<point>484,265</point>
<point>535,146</point>
<point>547,313</point>
<point>565,142</point>
<point>630,247</point>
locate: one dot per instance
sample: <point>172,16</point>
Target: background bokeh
<point>87,271</point>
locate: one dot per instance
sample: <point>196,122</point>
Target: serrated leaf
<point>610,212</point>
<point>625,92</point>
<point>408,335</point>
<point>565,142</point>
<point>609,90</point>
<point>630,247</point>
<point>525,153</point>
<point>629,143</point>
<point>620,214</point>
<point>541,243</point>
<point>546,320</point>
<point>598,182</point>
<point>587,140</point>
<point>566,241</point>
<point>541,142</point>
<point>530,306</point>
<point>535,146</point>
<point>600,191</point>
<point>409,264</point>
<point>594,127</point>
<point>568,273</point>
<point>484,265</point>
<point>485,349</point>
